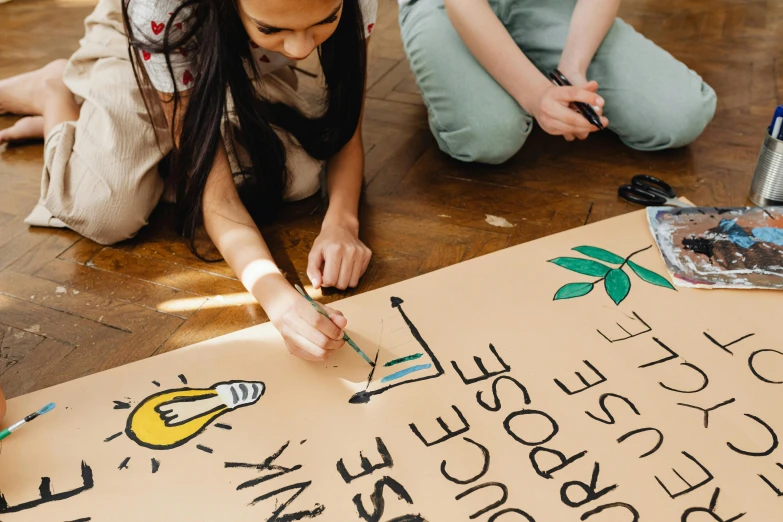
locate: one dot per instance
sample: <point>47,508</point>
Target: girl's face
<point>293,28</point>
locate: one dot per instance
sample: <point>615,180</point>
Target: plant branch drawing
<point>616,281</point>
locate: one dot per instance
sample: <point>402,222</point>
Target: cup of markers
<point>767,187</point>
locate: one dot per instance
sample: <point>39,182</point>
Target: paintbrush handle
<point>6,432</point>
<point>311,300</point>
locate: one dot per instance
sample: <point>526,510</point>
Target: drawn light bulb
<point>171,418</point>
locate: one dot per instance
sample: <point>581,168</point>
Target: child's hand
<point>307,333</point>
<point>557,118</point>
<point>2,404</point>
<point>338,258</point>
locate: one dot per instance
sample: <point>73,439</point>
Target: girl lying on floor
<point>209,86</point>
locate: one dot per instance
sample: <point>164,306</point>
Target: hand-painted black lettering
<point>482,369</point>
<point>553,430</point>
<point>601,509</point>
<point>260,480</point>
<point>708,410</point>
<point>266,465</point>
<point>642,430</point>
<point>587,385</point>
<point>300,488</point>
<point>449,434</point>
<point>672,355</point>
<point>772,447</point>
<point>590,491</point>
<point>547,474</point>
<point>778,491</point>
<point>602,402</point>
<point>277,471</point>
<point>755,370</point>
<point>45,489</point>
<point>503,497</point>
<point>710,510</point>
<point>378,502</point>
<point>484,466</point>
<point>704,378</point>
<point>495,383</point>
<point>629,335</point>
<point>367,467</point>
<point>47,495</point>
<point>516,511</point>
<point>725,347</point>
<point>706,480</point>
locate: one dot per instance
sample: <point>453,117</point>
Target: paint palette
<point>721,247</point>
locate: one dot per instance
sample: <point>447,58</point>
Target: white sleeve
<point>149,20</point>
<point>369,10</point>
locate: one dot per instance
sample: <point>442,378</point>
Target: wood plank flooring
<point>70,307</point>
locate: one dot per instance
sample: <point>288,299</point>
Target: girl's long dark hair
<point>217,41</point>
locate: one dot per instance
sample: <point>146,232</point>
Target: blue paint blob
<point>769,235</point>
<point>736,234</point>
<point>402,373</point>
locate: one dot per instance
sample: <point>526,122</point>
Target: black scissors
<point>650,192</point>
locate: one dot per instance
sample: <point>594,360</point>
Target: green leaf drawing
<point>582,266</point>
<point>649,276</point>
<point>600,254</point>
<point>617,285</point>
<point>572,290</point>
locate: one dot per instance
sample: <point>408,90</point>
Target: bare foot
<point>29,128</point>
<point>23,94</point>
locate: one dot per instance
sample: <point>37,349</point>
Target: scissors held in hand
<point>650,192</point>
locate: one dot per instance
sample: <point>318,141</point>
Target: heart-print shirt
<point>148,19</point>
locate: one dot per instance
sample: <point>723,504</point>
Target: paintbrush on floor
<point>6,432</point>
<point>345,335</point>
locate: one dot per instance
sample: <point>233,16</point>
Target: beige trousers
<point>100,175</point>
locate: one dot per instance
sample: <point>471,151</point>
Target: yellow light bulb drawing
<point>171,418</point>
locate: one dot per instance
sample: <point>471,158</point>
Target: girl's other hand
<point>557,118</point>
<point>338,258</point>
<point>308,334</point>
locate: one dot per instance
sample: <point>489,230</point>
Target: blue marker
<point>776,127</point>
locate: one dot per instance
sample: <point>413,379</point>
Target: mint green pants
<point>653,101</point>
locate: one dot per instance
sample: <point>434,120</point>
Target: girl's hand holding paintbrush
<point>307,333</point>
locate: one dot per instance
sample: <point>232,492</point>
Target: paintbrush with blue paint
<point>6,432</point>
<point>345,335</point>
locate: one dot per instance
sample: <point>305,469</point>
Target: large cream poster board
<point>490,400</point>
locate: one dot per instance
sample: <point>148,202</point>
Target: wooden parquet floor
<point>70,307</point>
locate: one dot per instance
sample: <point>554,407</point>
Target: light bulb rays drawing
<point>171,418</point>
